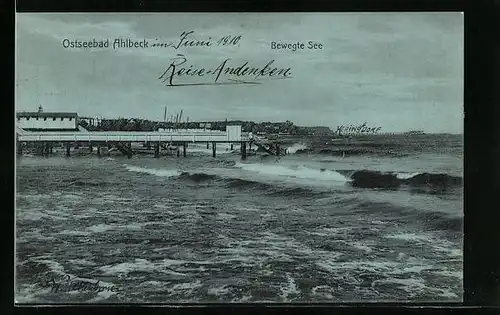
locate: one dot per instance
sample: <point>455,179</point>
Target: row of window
<point>45,118</point>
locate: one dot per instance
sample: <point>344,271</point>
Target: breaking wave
<point>376,179</point>
<point>153,171</point>
<point>296,172</point>
<point>356,178</point>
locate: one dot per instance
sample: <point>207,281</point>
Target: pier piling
<point>46,149</point>
<point>157,149</point>
<point>243,150</point>
<point>42,143</point>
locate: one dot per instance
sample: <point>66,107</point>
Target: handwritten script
<point>186,40</point>
<point>223,73</point>
<point>67,284</point>
<point>361,129</point>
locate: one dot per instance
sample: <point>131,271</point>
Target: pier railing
<point>230,135</point>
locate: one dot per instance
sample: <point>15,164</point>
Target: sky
<point>398,71</point>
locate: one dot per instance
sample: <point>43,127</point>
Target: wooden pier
<point>122,140</point>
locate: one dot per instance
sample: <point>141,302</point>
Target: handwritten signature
<point>68,284</point>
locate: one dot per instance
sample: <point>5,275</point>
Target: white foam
<point>370,266</point>
<point>125,268</point>
<point>33,234</point>
<point>54,266</point>
<point>267,245</point>
<point>153,283</point>
<point>416,268</point>
<point>73,196</point>
<point>226,216</point>
<point>134,226</point>
<point>290,288</point>
<point>294,148</point>
<point>189,286</point>
<point>410,237</point>
<point>412,286</point>
<point>298,172</point>
<point>320,291</point>
<point>164,206</point>
<point>218,291</point>
<point>364,247</point>
<point>30,216</point>
<point>406,175</point>
<point>73,233</point>
<point>447,293</point>
<point>162,266</point>
<point>331,231</point>
<point>100,228</point>
<point>36,197</point>
<point>153,171</point>
<point>103,295</point>
<point>452,252</point>
<point>244,299</point>
<point>81,262</point>
<point>29,293</point>
<point>454,274</point>
<point>138,264</point>
<point>437,244</point>
<point>245,209</point>
<point>85,216</point>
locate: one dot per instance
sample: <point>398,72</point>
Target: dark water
<point>199,229</point>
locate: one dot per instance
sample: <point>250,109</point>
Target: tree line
<point>126,124</point>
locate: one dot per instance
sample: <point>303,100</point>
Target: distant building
<point>415,132</point>
<point>46,121</point>
<point>205,125</point>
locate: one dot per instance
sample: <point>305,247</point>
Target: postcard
<point>239,158</point>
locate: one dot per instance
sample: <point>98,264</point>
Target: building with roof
<point>47,121</point>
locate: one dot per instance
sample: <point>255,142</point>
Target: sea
<point>371,219</point>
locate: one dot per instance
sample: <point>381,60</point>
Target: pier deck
<point>122,140</point>
<point>131,136</point>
